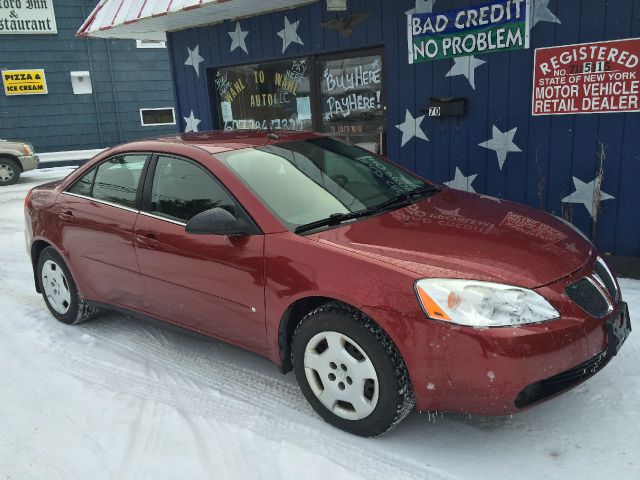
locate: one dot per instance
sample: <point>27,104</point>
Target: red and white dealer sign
<point>599,77</point>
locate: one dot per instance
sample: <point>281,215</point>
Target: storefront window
<point>256,96</point>
<point>352,104</point>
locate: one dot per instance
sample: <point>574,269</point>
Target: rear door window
<point>84,185</point>
<point>117,179</point>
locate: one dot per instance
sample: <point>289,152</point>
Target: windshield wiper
<point>334,219</point>
<point>406,198</point>
<point>397,201</point>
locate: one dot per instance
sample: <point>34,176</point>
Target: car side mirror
<point>217,221</point>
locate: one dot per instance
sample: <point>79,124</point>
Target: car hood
<point>455,234</point>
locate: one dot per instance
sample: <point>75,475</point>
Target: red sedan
<point>381,290</point>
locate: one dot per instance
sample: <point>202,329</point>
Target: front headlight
<point>482,304</point>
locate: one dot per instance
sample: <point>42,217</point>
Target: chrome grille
<point>605,278</point>
<point>586,294</point>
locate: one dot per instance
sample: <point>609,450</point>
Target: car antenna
<point>270,134</point>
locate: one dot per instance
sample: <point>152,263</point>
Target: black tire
<point>78,309</point>
<point>9,171</point>
<point>395,395</point>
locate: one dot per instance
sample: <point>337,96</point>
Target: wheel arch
<point>14,158</point>
<point>290,319</point>
<point>294,314</point>
<point>36,249</point>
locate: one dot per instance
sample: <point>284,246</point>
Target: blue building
<point>98,92</point>
<point>516,99</point>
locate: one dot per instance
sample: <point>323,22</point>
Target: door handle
<point>148,240</point>
<point>67,216</point>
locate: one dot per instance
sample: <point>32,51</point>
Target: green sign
<point>491,27</point>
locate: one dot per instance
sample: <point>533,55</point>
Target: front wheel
<point>350,371</point>
<point>9,171</point>
<point>59,290</point>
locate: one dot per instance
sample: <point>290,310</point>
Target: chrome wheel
<point>6,172</point>
<point>56,287</point>
<point>341,375</point>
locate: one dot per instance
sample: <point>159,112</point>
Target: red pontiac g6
<point>382,291</point>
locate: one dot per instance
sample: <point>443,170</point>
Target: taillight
<point>27,149</point>
<point>26,199</point>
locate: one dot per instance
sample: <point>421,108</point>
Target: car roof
<point>216,141</point>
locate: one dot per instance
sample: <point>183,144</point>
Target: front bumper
<point>499,371</point>
<point>29,162</point>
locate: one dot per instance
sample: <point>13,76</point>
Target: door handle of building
<point>148,240</point>
<point>67,216</point>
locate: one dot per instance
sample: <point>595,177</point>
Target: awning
<point>151,19</point>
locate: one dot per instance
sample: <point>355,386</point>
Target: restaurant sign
<point>598,77</point>
<point>30,17</point>
<point>488,28</point>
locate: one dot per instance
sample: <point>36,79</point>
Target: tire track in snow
<point>230,394</point>
<point>224,408</point>
<point>203,384</point>
<point>196,364</point>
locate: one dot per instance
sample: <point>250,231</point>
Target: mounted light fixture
<point>81,83</point>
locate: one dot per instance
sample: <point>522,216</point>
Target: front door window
<point>181,190</point>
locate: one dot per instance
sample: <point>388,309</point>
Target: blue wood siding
<point>554,148</point>
<point>60,120</point>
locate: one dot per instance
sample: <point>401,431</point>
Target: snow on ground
<point>122,398</point>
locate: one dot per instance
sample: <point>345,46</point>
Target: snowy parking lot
<point>122,398</point>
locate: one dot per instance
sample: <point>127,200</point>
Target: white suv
<point>15,157</point>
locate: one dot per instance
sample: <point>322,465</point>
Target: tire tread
<point>85,311</point>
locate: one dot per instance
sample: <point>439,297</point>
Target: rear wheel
<point>350,371</point>
<point>9,171</point>
<point>59,290</point>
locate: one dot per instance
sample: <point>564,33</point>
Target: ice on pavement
<point>122,398</point>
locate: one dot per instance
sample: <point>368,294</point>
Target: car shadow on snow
<point>200,358</point>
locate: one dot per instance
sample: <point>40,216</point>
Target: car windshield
<point>306,182</point>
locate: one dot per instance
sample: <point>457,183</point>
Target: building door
<point>339,94</point>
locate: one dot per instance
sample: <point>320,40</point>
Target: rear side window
<point>181,189</point>
<point>84,185</point>
<point>117,179</point>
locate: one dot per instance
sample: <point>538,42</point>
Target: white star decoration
<point>194,59</point>
<point>460,182</point>
<point>289,34</point>
<point>466,66</point>
<point>238,37</point>
<point>422,6</point>
<point>541,13</point>
<point>501,143</point>
<point>411,128</point>
<point>191,123</point>
<point>586,193</point>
